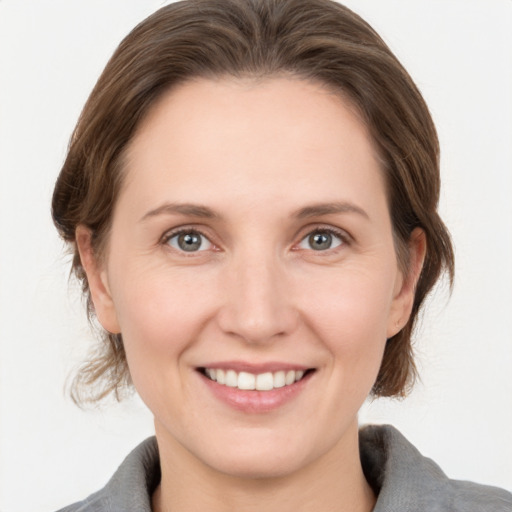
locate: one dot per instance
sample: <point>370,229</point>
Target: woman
<point>251,193</point>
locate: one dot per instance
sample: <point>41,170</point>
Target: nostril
<point>256,312</point>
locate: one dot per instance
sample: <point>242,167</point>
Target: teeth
<point>248,381</point>
<point>231,379</point>
<point>279,379</point>
<point>290,377</point>
<point>264,381</point>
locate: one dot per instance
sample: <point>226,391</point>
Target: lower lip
<point>256,401</point>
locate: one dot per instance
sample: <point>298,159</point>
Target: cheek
<point>351,304</point>
<point>161,319</point>
<point>160,315</point>
<point>349,314</point>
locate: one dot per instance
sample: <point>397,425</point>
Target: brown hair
<point>317,40</point>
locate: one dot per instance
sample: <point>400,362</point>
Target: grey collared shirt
<point>401,477</point>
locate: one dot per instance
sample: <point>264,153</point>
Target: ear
<point>405,286</point>
<point>97,278</point>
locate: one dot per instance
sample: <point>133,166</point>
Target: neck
<point>333,483</point>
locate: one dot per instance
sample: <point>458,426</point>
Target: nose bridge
<point>258,306</point>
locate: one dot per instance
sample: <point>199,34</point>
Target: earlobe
<point>97,278</point>
<point>405,293</point>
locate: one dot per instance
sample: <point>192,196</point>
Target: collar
<point>401,477</point>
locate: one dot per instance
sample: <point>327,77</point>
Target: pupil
<point>189,242</point>
<point>320,241</point>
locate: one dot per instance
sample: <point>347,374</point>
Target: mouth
<point>247,381</point>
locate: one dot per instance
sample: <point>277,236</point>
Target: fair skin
<point>285,261</point>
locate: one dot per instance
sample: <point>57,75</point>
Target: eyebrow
<point>317,210</point>
<point>193,210</point>
<point>203,212</point>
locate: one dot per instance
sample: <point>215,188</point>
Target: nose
<point>258,304</point>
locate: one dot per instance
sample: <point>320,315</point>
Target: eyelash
<point>340,234</point>
<point>185,230</point>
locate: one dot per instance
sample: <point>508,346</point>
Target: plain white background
<point>51,52</point>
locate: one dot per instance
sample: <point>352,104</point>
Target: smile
<point>248,381</point>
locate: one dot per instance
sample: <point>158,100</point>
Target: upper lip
<point>255,368</point>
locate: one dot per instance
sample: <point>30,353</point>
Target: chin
<point>258,455</point>
<point>259,465</point>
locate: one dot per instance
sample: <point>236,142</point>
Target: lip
<point>253,401</point>
<point>255,368</point>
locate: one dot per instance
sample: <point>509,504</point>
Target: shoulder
<point>406,480</point>
<point>130,488</point>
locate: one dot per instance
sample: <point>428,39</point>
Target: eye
<point>321,240</point>
<point>188,241</point>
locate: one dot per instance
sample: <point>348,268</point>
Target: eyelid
<point>343,235</point>
<point>345,238</point>
<point>168,235</point>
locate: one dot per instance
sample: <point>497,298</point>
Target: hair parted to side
<point>318,40</point>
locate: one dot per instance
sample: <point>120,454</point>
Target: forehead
<point>253,139</point>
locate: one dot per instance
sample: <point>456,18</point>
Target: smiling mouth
<point>259,382</point>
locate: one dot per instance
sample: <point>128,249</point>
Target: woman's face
<point>251,243</point>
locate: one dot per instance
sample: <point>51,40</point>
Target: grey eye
<point>189,241</point>
<point>320,241</point>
